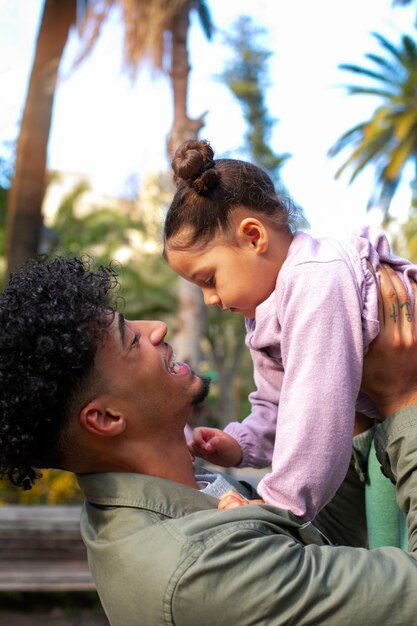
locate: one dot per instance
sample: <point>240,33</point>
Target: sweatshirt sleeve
<point>322,351</point>
<point>256,433</point>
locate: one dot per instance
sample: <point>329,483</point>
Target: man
<point>83,389</point>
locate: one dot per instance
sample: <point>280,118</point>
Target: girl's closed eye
<point>210,281</point>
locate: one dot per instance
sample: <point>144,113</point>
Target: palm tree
<point>191,311</point>
<point>246,74</point>
<point>23,223</point>
<point>154,30</point>
<point>157,30</point>
<point>388,140</point>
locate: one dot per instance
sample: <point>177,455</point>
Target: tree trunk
<point>192,314</point>
<point>24,218</point>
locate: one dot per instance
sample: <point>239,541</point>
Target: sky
<point>111,128</point>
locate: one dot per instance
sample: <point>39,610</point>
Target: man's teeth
<point>173,367</point>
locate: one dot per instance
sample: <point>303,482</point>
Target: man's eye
<point>135,340</point>
<point>209,281</point>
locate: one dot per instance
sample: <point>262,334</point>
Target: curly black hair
<point>53,316</point>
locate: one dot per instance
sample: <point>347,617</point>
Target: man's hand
<point>232,500</point>
<point>215,446</point>
<point>390,367</point>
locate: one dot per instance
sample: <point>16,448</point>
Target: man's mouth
<point>176,368</point>
<point>173,366</point>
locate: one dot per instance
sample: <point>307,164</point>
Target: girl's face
<point>235,275</point>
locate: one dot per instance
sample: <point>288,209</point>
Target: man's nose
<point>155,330</point>
<point>210,297</point>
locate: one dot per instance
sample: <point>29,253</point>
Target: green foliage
<point>226,354</point>
<point>55,487</point>
<point>410,236</point>
<point>247,76</point>
<point>99,231</point>
<point>148,290</point>
<point>388,140</point>
<point>404,237</point>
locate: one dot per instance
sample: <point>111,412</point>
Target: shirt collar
<point>144,492</point>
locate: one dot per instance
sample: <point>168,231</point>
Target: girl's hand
<point>215,446</point>
<point>232,500</point>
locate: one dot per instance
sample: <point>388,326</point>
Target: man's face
<point>141,375</point>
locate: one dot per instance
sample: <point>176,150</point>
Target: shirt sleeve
<point>322,351</point>
<point>254,575</point>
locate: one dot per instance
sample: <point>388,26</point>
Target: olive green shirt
<point>161,553</point>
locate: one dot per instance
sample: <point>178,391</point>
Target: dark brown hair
<point>54,313</point>
<point>209,190</point>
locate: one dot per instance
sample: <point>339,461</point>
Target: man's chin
<point>203,391</point>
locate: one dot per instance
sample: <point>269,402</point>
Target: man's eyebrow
<point>122,327</point>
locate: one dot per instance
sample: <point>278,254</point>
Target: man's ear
<point>252,232</point>
<point>101,420</point>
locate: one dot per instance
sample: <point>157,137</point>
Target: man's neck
<point>170,460</point>
<point>173,463</point>
<point>164,456</point>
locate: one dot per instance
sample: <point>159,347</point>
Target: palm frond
<point>385,191</point>
<point>390,47</point>
<point>89,28</point>
<point>403,125</point>
<point>368,91</point>
<point>370,146</point>
<point>399,156</point>
<point>205,18</point>
<point>345,139</point>
<point>363,71</point>
<point>145,24</point>
<point>410,49</point>
<point>388,141</point>
<point>383,63</point>
<point>373,150</point>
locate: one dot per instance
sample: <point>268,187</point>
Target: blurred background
<point>97,94</point>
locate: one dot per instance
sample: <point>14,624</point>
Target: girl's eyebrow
<point>197,274</point>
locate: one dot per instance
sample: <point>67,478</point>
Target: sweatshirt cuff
<point>234,429</point>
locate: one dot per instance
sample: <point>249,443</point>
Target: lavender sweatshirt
<point>307,342</point>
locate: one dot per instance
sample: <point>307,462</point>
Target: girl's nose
<point>210,297</point>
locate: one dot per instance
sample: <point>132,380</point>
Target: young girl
<point>310,308</point>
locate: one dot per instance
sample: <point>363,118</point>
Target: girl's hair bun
<point>193,165</point>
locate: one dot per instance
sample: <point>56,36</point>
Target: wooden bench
<point>41,549</point>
